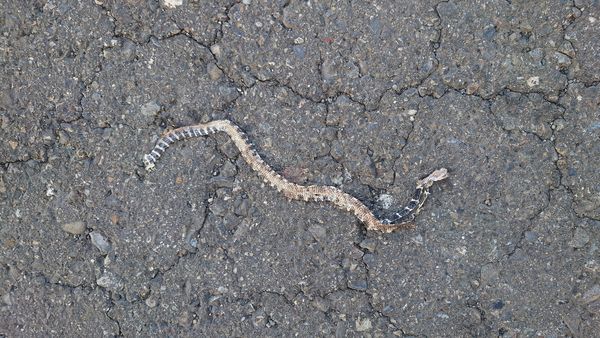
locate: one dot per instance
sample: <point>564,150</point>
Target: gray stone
<point>318,232</point>
<point>242,206</point>
<point>259,318</point>
<point>110,281</point>
<point>489,274</point>
<point>563,60</point>
<point>228,169</point>
<point>537,55</point>
<point>369,244</point>
<point>213,71</point>
<point>151,301</point>
<point>218,207</point>
<point>100,242</point>
<point>363,324</point>
<point>151,108</point>
<point>358,284</point>
<point>567,49</point>
<point>171,3</point>
<point>321,304</point>
<point>591,295</point>
<point>580,238</point>
<point>531,236</point>
<point>369,260</point>
<point>75,228</point>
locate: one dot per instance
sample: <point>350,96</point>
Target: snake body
<point>399,220</point>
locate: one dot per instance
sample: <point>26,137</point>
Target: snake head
<point>148,163</point>
<point>435,176</point>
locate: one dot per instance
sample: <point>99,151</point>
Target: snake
<point>403,219</point>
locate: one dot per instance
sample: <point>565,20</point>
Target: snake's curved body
<point>400,220</point>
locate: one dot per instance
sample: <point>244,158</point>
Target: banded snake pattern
<point>399,220</point>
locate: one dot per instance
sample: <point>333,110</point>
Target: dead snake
<point>399,220</point>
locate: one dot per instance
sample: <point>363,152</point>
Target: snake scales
<point>399,220</point>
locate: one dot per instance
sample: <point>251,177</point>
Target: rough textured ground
<point>368,97</point>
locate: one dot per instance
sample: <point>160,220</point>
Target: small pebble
<point>299,51</point>
<point>75,228</point>
<point>214,73</point>
<point>369,259</point>
<point>172,3</point>
<point>531,236</point>
<point>216,50</point>
<point>362,325</point>
<point>151,302</point>
<point>387,310</point>
<point>442,315</point>
<point>537,55</point>
<point>567,49</point>
<point>562,60</point>
<point>109,281</point>
<point>591,295</point>
<point>499,304</point>
<point>218,208</point>
<point>580,238</point>
<point>353,70</point>
<point>100,242</point>
<point>321,304</point>
<point>418,239</point>
<point>318,232</point>
<point>358,285</point>
<point>473,315</point>
<point>150,108</point>
<point>259,318</point>
<point>242,207</point>
<point>214,298</point>
<point>489,32</point>
<point>328,70</point>
<point>369,244</point>
<point>558,125</point>
<point>228,169</point>
<point>63,137</point>
<point>346,263</point>
<point>489,274</point>
<point>533,81</point>
<point>473,87</point>
<point>184,318</point>
<point>7,300</point>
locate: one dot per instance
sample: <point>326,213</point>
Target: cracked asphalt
<point>366,96</point>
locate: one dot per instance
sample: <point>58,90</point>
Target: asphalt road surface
<point>365,96</point>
